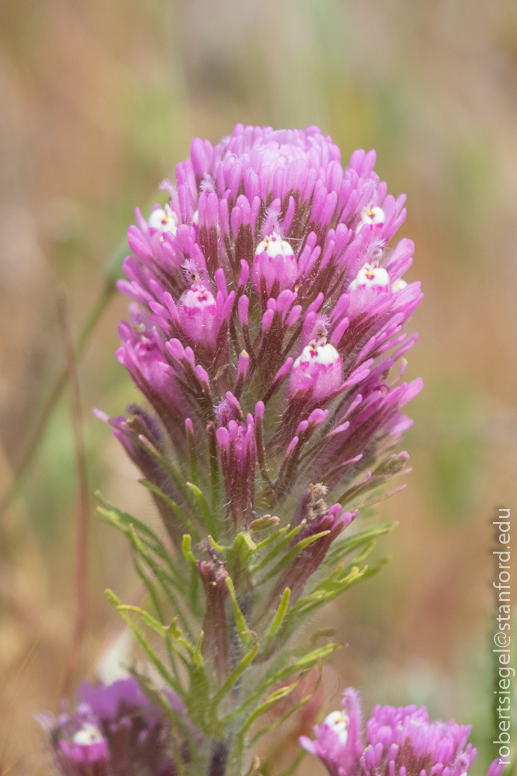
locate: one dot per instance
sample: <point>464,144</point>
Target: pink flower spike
<point>268,274</point>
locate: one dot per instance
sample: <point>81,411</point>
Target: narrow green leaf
<point>193,455</point>
<point>172,651</point>
<point>153,657</point>
<point>217,547</point>
<point>272,701</point>
<point>263,523</point>
<point>196,655</point>
<point>238,559</point>
<point>277,549</point>
<point>325,632</point>
<point>167,465</point>
<point>240,621</point>
<point>291,555</point>
<point>235,675</point>
<point>180,514</point>
<point>275,698</point>
<point>151,589</point>
<point>204,507</point>
<point>175,631</point>
<point>327,588</point>
<point>344,547</point>
<point>280,614</point>
<point>149,620</point>
<point>246,536</point>
<point>176,634</point>
<point>162,578</point>
<point>201,709</point>
<point>265,683</point>
<point>325,593</point>
<point>279,672</point>
<point>122,521</point>
<point>367,549</point>
<point>367,571</point>
<point>290,712</point>
<point>193,592</point>
<point>162,630</point>
<point>186,548</point>
<point>143,550</point>
<point>108,508</point>
<point>112,598</point>
<point>273,538</point>
<point>308,661</point>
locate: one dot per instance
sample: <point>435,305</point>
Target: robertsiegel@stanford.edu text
<point>502,636</point>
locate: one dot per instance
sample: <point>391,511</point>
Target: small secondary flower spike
<point>114,731</point>
<point>399,742</point>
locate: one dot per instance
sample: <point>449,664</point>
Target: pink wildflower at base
<point>399,742</point>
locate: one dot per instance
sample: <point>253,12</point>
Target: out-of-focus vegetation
<point>98,101</point>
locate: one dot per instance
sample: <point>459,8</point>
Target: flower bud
<point>319,368</point>
<point>198,314</point>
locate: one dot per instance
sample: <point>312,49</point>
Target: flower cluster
<point>399,742</point>
<point>266,333</point>
<point>114,731</point>
<point>268,311</point>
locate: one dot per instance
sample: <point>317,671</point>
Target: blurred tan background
<point>98,101</point>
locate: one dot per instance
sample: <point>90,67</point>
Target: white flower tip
<point>370,216</point>
<point>87,735</point>
<point>327,354</point>
<point>370,276</point>
<point>273,245</point>
<point>338,722</point>
<point>318,351</point>
<point>398,285</point>
<point>197,297</point>
<point>164,219</point>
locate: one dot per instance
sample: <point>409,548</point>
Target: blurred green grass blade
<point>112,273</point>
